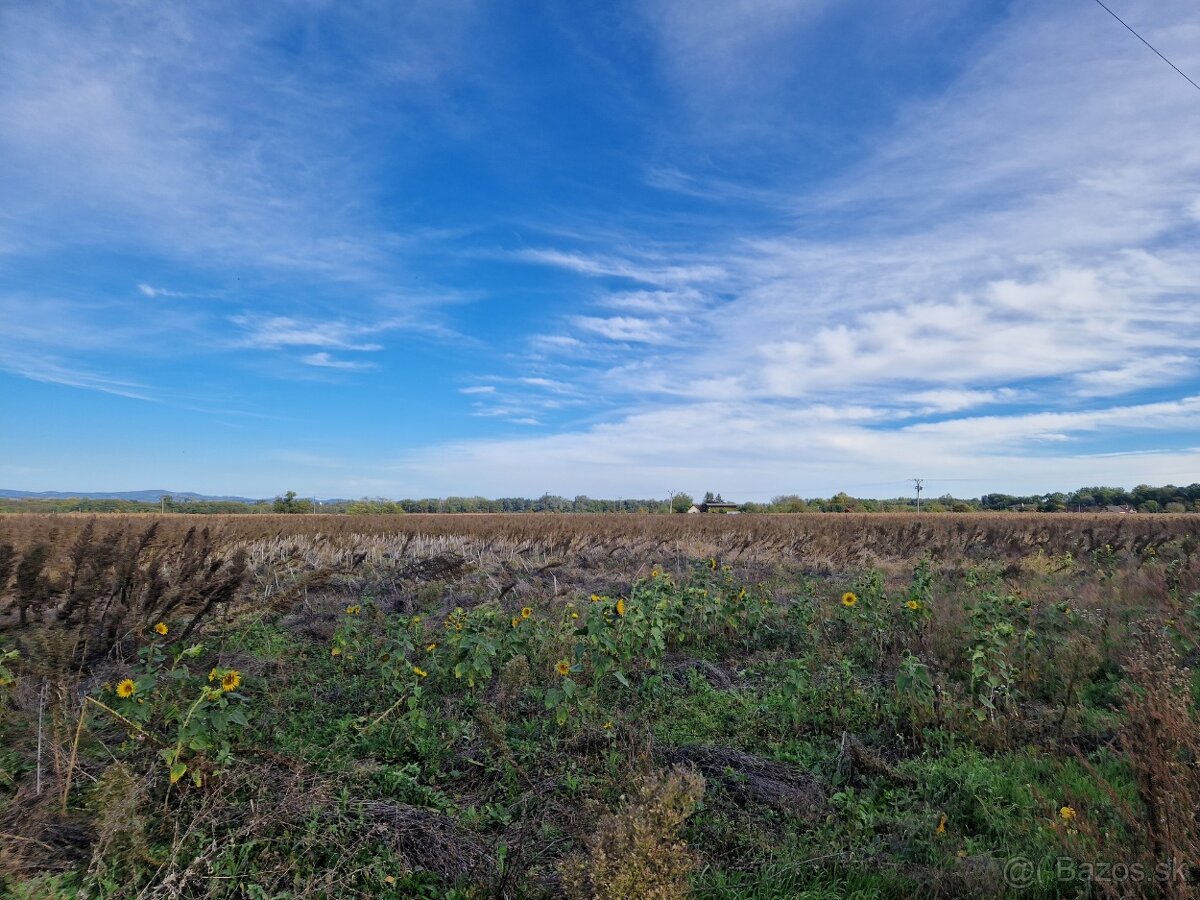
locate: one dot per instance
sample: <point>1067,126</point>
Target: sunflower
<point>1067,813</point>
<point>914,605</point>
<point>941,826</point>
<point>516,621</point>
<point>607,725</point>
<point>849,599</point>
<point>526,612</point>
<point>230,680</point>
<point>353,610</point>
<point>431,648</point>
<point>161,628</point>
<point>419,672</point>
<point>126,688</point>
<point>562,667</point>
<point>595,598</point>
<point>574,615</point>
<point>621,606</point>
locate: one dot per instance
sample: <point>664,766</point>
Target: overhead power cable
<point>1148,44</point>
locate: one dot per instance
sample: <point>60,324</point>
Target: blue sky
<point>610,248</point>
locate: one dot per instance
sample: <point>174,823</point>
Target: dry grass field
<point>599,706</point>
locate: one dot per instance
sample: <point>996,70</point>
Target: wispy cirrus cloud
<point>52,371</point>
<point>149,290</point>
<point>645,270</point>
<point>810,245</point>
<point>324,360</point>
<point>276,332</point>
<point>985,255</point>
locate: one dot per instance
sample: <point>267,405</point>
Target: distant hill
<point>137,496</point>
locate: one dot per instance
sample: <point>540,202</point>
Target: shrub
<point>636,853</point>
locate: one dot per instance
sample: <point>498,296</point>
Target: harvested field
<point>540,706</point>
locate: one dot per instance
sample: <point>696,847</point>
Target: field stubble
<point>890,705</point>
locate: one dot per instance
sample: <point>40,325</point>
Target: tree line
<point>1144,498</point>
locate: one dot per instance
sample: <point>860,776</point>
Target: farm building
<point>714,506</point>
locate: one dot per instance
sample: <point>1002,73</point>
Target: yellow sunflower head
<point>353,610</point>
<point>126,688</point>
<point>595,598</point>
<point>914,605</point>
<point>562,667</point>
<point>161,628</point>
<point>849,599</point>
<point>431,648</point>
<point>516,621</point>
<point>419,672</point>
<point>526,612</point>
<point>621,606</point>
<point>1067,813</point>
<point>230,680</point>
<point>574,615</point>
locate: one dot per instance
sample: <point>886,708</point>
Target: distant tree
<point>709,497</point>
<point>681,503</point>
<point>290,503</point>
<point>841,502</point>
<point>1054,502</point>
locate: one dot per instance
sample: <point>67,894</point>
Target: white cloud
<point>187,131</point>
<point>1018,241</point>
<point>548,384</point>
<point>1135,375</point>
<point>326,361</point>
<point>148,290</point>
<point>51,371</point>
<point>756,450</point>
<point>555,341</point>
<point>478,389</point>
<point>647,271</point>
<point>275,332</point>
<point>949,400</point>
<point>685,300</point>
<point>625,328</point>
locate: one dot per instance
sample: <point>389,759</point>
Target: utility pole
<point>162,504</point>
<point>671,501</point>
<point>920,483</point>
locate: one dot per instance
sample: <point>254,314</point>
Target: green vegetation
<point>1143,498</point>
<point>312,716</point>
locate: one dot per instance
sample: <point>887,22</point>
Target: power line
<point>1148,44</point>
